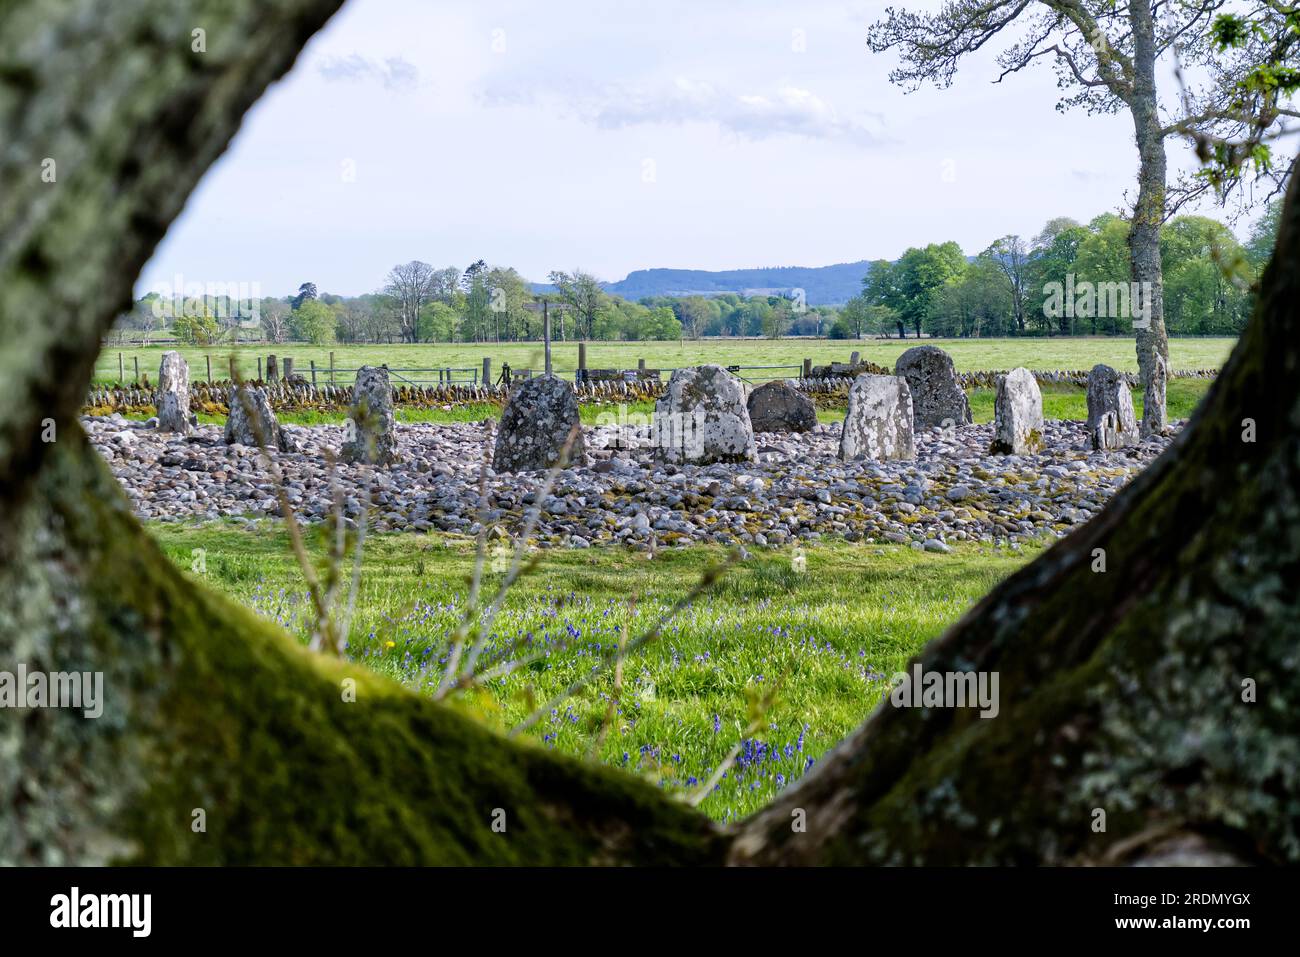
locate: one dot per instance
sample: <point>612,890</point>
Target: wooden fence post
<point>807,368</point>
<point>331,367</point>
<point>208,360</point>
<point>259,368</point>
<point>582,362</point>
<point>136,359</point>
<point>288,368</point>
<point>121,370</point>
<point>313,372</point>
<point>233,376</point>
<point>487,371</point>
<point>272,369</point>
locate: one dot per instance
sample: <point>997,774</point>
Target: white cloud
<point>394,73</point>
<point>784,110</point>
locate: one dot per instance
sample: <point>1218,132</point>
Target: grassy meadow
<point>968,354</point>
<point>823,637</point>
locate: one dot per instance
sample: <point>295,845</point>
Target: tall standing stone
<point>1155,419</point>
<point>937,397</point>
<point>1111,422</point>
<point>173,393</point>
<point>702,418</point>
<point>372,433</point>
<point>252,421</point>
<point>539,416</point>
<point>878,424</point>
<point>779,407</point>
<point>1017,415</point>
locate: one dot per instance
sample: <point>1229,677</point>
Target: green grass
<point>828,637</point>
<point>1062,401</point>
<point>968,354</point>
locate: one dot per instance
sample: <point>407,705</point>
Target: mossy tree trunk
<point>1120,690</point>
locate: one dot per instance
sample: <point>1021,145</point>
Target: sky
<point>618,136</point>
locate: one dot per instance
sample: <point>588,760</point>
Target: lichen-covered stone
<point>539,417</point>
<point>262,428</point>
<point>1155,420</point>
<point>937,396</point>
<point>372,433</point>
<point>173,393</point>
<point>1017,415</point>
<point>702,418</point>
<point>878,424</point>
<point>780,407</point>
<point>1111,421</point>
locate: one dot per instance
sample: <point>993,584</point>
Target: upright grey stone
<point>538,418</point>
<point>937,396</point>
<point>1155,419</point>
<point>1111,422</point>
<point>780,407</point>
<point>702,418</point>
<point>173,393</point>
<point>1017,415</point>
<point>371,432</point>
<point>245,429</point>
<point>878,424</point>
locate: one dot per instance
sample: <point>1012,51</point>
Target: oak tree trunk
<point>1148,217</point>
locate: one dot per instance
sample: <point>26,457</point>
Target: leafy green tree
<point>314,322</point>
<point>1054,252</point>
<point>196,327</point>
<point>582,293</point>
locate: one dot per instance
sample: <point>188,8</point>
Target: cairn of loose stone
<point>174,393</point>
<point>1111,421</point>
<point>702,418</point>
<point>539,416</point>
<point>372,432</point>
<point>1017,415</point>
<point>937,396</point>
<point>878,424</point>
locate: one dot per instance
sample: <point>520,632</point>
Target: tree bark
<point>1148,217</point>
<point>1122,689</point>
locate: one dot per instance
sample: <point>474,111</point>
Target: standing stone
<point>371,431</point>
<point>937,396</point>
<point>1017,415</point>
<point>702,418</point>
<point>878,424</point>
<point>779,407</point>
<point>173,393</point>
<point>1111,422</point>
<point>241,429</point>
<point>538,418</point>
<point>1155,419</point>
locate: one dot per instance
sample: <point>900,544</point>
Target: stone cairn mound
<point>878,424</point>
<point>539,417</point>
<point>371,430</point>
<point>780,407</point>
<point>702,418</point>
<point>1017,415</point>
<point>937,396</point>
<point>1111,421</point>
<point>173,396</point>
<point>261,426</point>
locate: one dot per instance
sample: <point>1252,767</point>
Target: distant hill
<point>822,285</point>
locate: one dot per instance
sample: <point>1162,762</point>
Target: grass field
<point>826,638</point>
<point>968,354</point>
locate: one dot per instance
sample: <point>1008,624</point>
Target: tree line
<point>1060,282</point>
